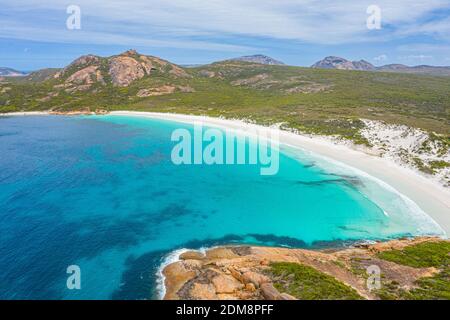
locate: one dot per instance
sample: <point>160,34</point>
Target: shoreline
<point>431,197</point>
<point>243,272</point>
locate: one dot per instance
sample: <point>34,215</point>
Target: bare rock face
<point>243,273</point>
<point>87,75</point>
<point>207,74</point>
<point>221,274</point>
<point>251,80</point>
<point>343,64</point>
<point>203,291</point>
<point>84,60</point>
<point>177,275</point>
<point>192,255</point>
<point>226,284</point>
<point>124,70</point>
<point>259,58</point>
<point>255,278</point>
<point>269,292</point>
<point>81,62</point>
<point>131,66</point>
<point>159,91</point>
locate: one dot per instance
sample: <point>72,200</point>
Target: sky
<point>37,34</point>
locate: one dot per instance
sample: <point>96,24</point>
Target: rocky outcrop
<point>251,80</point>
<point>422,69</point>
<point>9,72</point>
<point>333,62</point>
<point>87,75</point>
<point>130,66</point>
<point>124,70</point>
<point>121,70</point>
<point>163,90</point>
<point>242,273</point>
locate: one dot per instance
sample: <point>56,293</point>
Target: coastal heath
<point>251,146</point>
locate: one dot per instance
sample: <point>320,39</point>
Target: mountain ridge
<point>259,58</point>
<point>327,102</point>
<point>10,72</point>
<point>334,62</point>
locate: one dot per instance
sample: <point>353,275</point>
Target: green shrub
<point>307,283</point>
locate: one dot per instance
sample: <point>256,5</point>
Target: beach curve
<point>431,197</point>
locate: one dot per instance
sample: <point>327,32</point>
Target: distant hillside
<point>310,100</point>
<point>42,75</point>
<point>343,64</point>
<point>9,72</point>
<point>121,70</point>
<point>422,69</point>
<point>333,62</point>
<point>259,58</point>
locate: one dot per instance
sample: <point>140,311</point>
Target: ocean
<point>102,193</point>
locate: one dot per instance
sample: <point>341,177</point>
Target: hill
<point>405,116</point>
<point>422,69</point>
<point>344,64</point>
<point>259,58</point>
<point>9,72</point>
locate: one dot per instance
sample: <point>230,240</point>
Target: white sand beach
<point>432,197</point>
<point>429,195</point>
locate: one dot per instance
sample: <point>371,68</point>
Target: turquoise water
<point>102,193</point>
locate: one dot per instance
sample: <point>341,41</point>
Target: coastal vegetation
<point>424,255</point>
<point>410,269</point>
<point>306,283</point>
<point>327,102</point>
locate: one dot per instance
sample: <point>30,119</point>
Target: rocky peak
<point>77,65</point>
<point>130,53</point>
<point>122,69</point>
<point>363,65</point>
<point>333,62</point>
<point>259,58</point>
<point>9,72</point>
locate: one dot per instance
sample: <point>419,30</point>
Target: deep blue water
<point>102,193</point>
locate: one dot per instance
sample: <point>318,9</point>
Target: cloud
<point>381,58</point>
<point>416,58</point>
<point>183,22</point>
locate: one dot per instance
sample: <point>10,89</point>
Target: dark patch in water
<point>158,194</point>
<point>228,239</point>
<point>353,180</point>
<point>6,134</point>
<point>139,280</point>
<point>171,213</point>
<point>347,181</point>
<point>279,240</point>
<point>53,246</point>
<point>352,229</point>
<point>321,182</point>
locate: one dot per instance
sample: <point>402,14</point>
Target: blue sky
<point>33,33</point>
